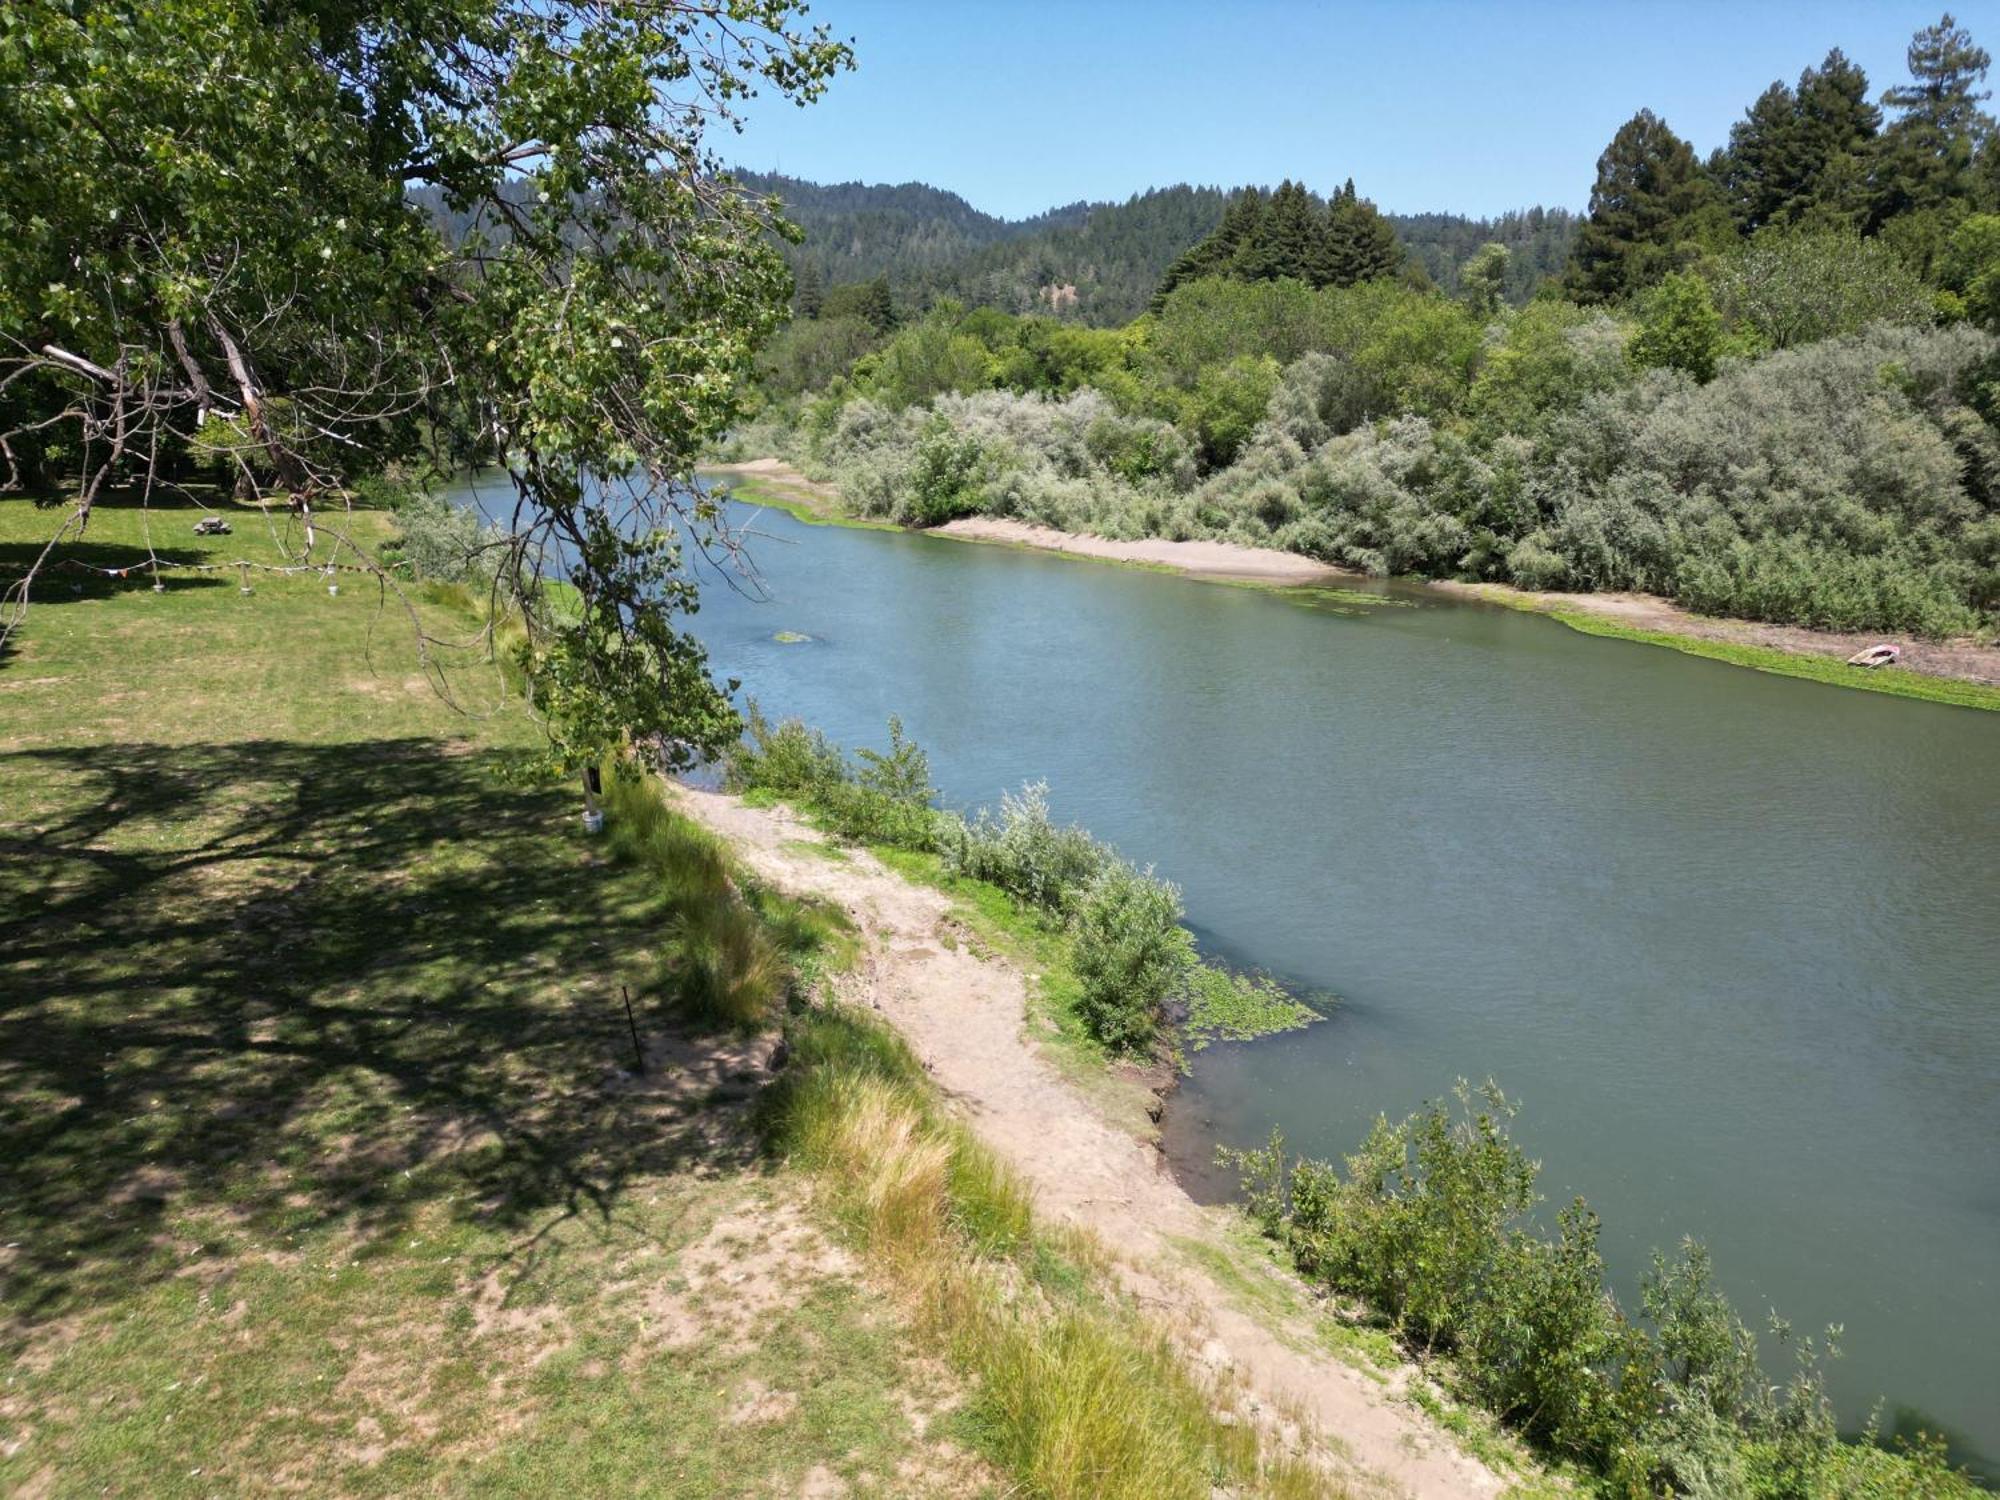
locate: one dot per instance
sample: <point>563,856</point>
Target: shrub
<point>886,798</point>
<point>1024,851</point>
<point>947,475</point>
<point>444,542</point>
<point>1131,955</point>
<point>1790,288</point>
<point>1431,1223</point>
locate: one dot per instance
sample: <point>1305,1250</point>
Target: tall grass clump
<point>725,965</point>
<point>1432,1224</point>
<point>1076,1395</point>
<point>726,970</point>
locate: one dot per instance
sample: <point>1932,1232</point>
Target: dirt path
<point>965,1014</point>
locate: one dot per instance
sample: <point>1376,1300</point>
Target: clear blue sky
<point>1474,108</point>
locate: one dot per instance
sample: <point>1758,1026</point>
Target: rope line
<point>148,568</point>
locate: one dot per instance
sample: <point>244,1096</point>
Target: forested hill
<point>858,231</point>
<point>1538,243</point>
<point>1096,263</point>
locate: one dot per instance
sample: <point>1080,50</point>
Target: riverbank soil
<point>1964,660</point>
<point>966,1013</point>
<point>1960,660</point>
<point>781,481</point>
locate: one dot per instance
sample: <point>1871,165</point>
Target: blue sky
<point>1020,105</point>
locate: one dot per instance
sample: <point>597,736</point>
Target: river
<point>1731,940</point>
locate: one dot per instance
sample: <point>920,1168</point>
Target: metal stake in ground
<point>638,1052</point>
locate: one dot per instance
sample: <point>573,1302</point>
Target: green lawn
<point>317,1167</point>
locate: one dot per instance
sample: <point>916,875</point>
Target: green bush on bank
<point>1430,1224</point>
<point>1134,962</point>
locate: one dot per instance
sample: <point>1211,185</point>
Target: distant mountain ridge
<point>1094,262</point>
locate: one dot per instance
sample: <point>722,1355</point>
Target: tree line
<point>1762,385</point>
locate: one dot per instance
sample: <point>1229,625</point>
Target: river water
<point>1732,941</point>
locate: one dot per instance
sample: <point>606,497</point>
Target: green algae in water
<point>790,638</point>
<point>1226,1007</point>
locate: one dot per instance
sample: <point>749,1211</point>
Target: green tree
<point>1761,171</point>
<point>207,217</point>
<point>808,291</point>
<point>1838,128</point>
<point>1802,153</point>
<point>1483,280</point>
<point>1362,245</point>
<point>1796,288</point>
<point>1652,210</point>
<point>1680,328</point>
<point>1926,155</point>
<point>1226,405</point>
<point>867,300</point>
<point>1293,241</point>
<point>1971,269</point>
<point>927,359</point>
<point>1218,253</point>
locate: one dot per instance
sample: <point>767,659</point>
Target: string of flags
<point>244,568</point>
<point>215,567</point>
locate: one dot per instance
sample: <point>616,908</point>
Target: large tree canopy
<point>210,255</point>
<point>1651,210</point>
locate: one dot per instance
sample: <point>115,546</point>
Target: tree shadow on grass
<point>264,989</point>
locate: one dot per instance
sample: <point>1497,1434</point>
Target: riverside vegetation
<point>1765,387</point>
<point>1433,1224</point>
<point>1124,970</point>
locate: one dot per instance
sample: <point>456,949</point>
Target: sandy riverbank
<point>966,1014</point>
<point>774,480</point>
<point>1203,559</point>
<point>1959,661</point>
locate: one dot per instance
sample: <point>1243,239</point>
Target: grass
<point>1898,682</point>
<point>1074,1392</point>
<point>799,507</point>
<point>321,1164</point>
<point>325,1163</point>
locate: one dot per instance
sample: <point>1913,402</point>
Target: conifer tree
<point>1761,168</point>
<point>809,290</point>
<point>1362,245</point>
<point>1651,210</point>
<point>1294,242</point>
<point>1926,157</point>
<point>1801,153</point>
<point>1218,254</point>
<point>1838,128</point>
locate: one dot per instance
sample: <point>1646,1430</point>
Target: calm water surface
<point>1732,940</point>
